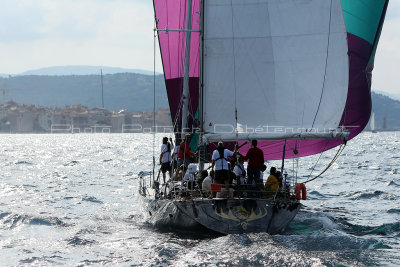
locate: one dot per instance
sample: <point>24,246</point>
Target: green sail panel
<point>362,17</point>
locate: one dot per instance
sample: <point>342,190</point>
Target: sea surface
<point>71,199</point>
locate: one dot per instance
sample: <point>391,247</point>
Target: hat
<point>192,168</point>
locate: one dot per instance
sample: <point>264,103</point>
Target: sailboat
<point>294,75</point>
<point>372,123</point>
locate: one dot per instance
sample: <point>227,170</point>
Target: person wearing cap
<point>219,160</point>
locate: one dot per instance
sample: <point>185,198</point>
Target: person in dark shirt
<point>255,157</point>
<point>184,153</point>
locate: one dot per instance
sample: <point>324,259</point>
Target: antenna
<point>102,88</point>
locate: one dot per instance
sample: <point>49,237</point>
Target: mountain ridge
<point>78,70</point>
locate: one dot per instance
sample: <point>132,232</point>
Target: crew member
<point>255,157</point>
<point>165,157</point>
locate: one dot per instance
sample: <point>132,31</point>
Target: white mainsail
<point>282,64</point>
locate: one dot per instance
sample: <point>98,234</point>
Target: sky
<point>119,33</point>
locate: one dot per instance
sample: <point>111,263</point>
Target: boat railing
<point>183,190</point>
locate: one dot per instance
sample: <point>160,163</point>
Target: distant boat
<point>294,75</point>
<point>373,123</point>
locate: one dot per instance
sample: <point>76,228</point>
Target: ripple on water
<point>393,183</point>
<point>77,241</point>
<point>315,195</point>
<point>23,162</point>
<point>388,229</point>
<point>91,199</point>
<point>71,163</point>
<point>372,194</point>
<point>14,220</point>
<point>396,211</point>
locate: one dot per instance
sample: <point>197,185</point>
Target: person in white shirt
<point>190,176</point>
<point>240,172</point>
<point>206,185</point>
<point>175,153</point>
<point>219,160</point>
<point>166,158</point>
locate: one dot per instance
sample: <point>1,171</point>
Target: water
<point>72,200</point>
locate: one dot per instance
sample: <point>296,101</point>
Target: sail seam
<point>326,66</point>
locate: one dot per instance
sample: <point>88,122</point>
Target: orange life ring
<point>301,188</point>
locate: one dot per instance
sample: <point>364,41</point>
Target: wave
<point>72,163</point>
<point>77,241</point>
<point>388,229</point>
<point>144,173</point>
<point>23,162</point>
<point>261,249</point>
<point>394,211</point>
<point>92,199</point>
<point>310,223</point>
<point>13,220</point>
<point>315,195</point>
<point>372,194</point>
<point>392,183</point>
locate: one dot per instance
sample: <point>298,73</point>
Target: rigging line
<point>234,75</point>
<point>154,96</point>
<point>320,155</point>
<point>302,122</point>
<point>297,168</point>
<point>326,65</point>
<point>341,149</point>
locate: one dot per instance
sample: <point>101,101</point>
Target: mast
<point>185,94</point>
<point>201,83</point>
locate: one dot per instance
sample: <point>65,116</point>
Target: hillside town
<point>19,118</point>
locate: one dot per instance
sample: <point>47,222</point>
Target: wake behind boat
<point>292,75</point>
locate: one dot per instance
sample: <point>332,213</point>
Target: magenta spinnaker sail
<point>172,14</point>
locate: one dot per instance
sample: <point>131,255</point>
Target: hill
<point>129,91</point>
<point>390,95</point>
